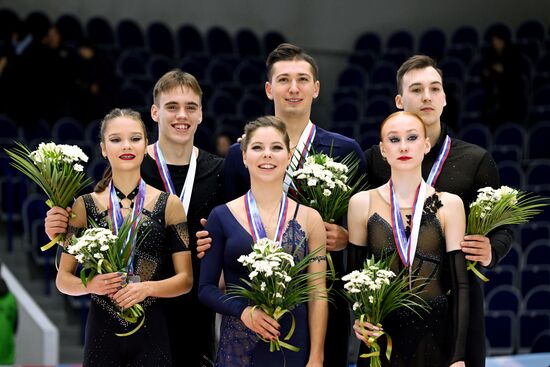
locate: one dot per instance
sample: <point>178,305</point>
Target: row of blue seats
<point>157,37</point>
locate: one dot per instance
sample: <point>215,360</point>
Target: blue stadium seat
<point>383,73</point>
<point>538,299</point>
<point>504,153</point>
<point>530,232</point>
<point>129,34</point>
<point>395,57</point>
<point>189,40</point>
<point>251,107</point>
<point>132,63</point>
<point>532,276</point>
<point>537,253</point>
<point>378,108</point>
<point>463,52</point>
<point>370,42</point>
<point>532,49</point>
<point>465,35</point>
<point>401,39</point>
<point>511,174</point>
<point>364,59</point>
<point>194,66</point>
<point>503,298</point>
<point>500,275</point>
<point>131,96</point>
<point>67,128</point>
<point>537,172</point>
<point>352,76</point>
<point>531,30</point>
<point>501,328</point>
<point>343,93</point>
<point>510,133</point>
<point>513,256</point>
<point>433,43</point>
<point>271,40</point>
<point>453,68</point>
<point>160,39</point>
<point>100,31</point>
<point>158,65</point>
<point>96,168</point>
<point>542,71</point>
<point>347,110</point>
<point>541,343</point>
<point>222,104</point>
<point>219,41</point>
<point>346,128</point>
<point>531,324</point>
<point>219,71</point>
<point>70,29</point>
<point>247,43</point>
<point>249,74</point>
<point>368,137</point>
<point>477,134</point>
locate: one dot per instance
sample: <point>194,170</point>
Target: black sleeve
<point>356,256</point>
<point>501,238</point>
<point>501,241</point>
<point>461,304</point>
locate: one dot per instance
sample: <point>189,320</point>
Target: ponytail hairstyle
<point>113,114</point>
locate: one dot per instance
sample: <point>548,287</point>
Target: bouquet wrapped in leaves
<point>324,184</point>
<point>374,292</point>
<point>100,251</point>
<point>276,283</point>
<point>56,169</point>
<point>497,207</point>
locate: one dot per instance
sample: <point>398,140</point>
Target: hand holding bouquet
<point>276,283</point>
<point>56,169</point>
<point>100,251</point>
<point>497,207</point>
<point>324,184</point>
<point>374,292</point>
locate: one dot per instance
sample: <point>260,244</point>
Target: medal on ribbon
<point>115,214</point>
<point>185,195</point>
<point>438,164</point>
<point>255,224</point>
<point>300,153</point>
<point>406,247</point>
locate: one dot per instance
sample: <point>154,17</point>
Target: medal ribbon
<point>115,214</point>
<point>300,153</point>
<point>406,247</point>
<point>439,162</point>
<point>255,224</point>
<point>185,195</point>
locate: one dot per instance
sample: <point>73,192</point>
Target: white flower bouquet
<point>497,207</point>
<point>56,169</point>
<point>324,184</point>
<point>100,251</point>
<point>374,292</point>
<point>276,283</point>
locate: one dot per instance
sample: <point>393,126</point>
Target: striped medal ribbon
<point>300,153</point>
<point>439,162</point>
<point>255,224</point>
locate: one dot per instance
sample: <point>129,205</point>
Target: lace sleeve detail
<point>71,232</point>
<point>178,237</point>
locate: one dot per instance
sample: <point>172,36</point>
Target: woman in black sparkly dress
<point>425,227</point>
<point>165,246</point>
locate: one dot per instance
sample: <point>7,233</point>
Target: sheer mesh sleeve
<point>211,268</point>
<point>461,304</point>
<point>177,237</point>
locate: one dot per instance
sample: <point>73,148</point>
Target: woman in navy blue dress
<point>266,153</point>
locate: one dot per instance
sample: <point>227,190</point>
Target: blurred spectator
<point>223,143</point>
<point>8,323</point>
<point>96,83</point>
<point>503,80</point>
